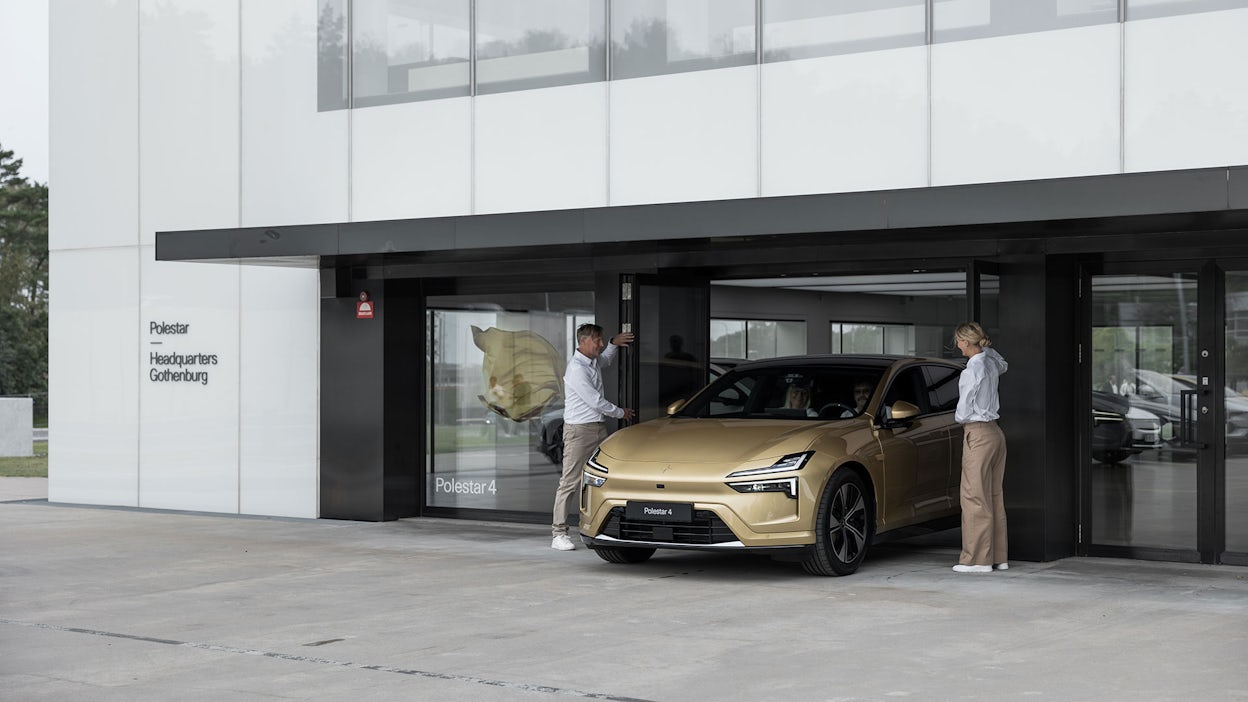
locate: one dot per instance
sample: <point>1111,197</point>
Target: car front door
<point>916,453</point>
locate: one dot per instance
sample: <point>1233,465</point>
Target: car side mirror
<point>900,414</point>
<point>675,407</point>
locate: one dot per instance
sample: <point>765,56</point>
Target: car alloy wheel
<point>843,527</point>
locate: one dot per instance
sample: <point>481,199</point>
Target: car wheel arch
<point>863,474</point>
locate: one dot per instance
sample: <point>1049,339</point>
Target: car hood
<point>718,441</point>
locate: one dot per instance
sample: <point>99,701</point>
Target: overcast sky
<point>24,84</point>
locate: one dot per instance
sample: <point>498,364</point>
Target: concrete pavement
<point>119,604</point>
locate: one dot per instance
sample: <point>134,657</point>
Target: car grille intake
<point>705,529</point>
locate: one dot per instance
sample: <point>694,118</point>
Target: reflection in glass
<point>956,20</point>
<point>406,50</point>
<point>539,43</point>
<point>1143,347</point>
<point>496,366</point>
<point>797,29</point>
<point>1145,9</point>
<point>1237,396</point>
<point>656,37</point>
<point>331,55</point>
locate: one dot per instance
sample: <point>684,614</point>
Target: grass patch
<point>35,466</point>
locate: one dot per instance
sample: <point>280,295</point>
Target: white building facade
<point>178,383</point>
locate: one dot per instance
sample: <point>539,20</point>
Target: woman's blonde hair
<point>973,334</point>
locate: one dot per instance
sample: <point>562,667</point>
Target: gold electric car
<point>805,457</point>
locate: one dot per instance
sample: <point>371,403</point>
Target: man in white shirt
<point>584,408</point>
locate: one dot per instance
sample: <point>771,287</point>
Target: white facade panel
<point>279,312</point>
<point>685,137</point>
<point>541,149</point>
<point>94,361</point>
<point>294,158</point>
<point>189,385</point>
<point>411,160</point>
<point>93,106</point>
<point>845,123</point>
<point>1186,105</point>
<point>1028,106</point>
<point>188,115</point>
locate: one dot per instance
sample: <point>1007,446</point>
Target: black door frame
<point>1210,427</point>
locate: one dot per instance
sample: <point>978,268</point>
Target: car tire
<point>844,526</point>
<point>623,554</point>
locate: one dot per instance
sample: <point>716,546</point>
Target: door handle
<point>1187,419</point>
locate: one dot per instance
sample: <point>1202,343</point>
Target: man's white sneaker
<point>1002,566</point>
<point>562,543</point>
<point>959,568</point>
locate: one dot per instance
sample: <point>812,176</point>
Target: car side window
<point>906,386</point>
<point>942,387</point>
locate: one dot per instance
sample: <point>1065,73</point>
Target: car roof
<point>879,361</point>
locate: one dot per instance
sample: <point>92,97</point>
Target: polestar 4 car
<point>808,458</point>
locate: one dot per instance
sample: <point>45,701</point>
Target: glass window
<point>800,392</point>
<point>331,55</point>
<point>496,397</point>
<point>539,43</point>
<point>1143,489</point>
<point>757,338</point>
<point>405,50</point>
<point>728,338</point>
<point>942,388</point>
<point>797,29</point>
<point>1145,9</point>
<point>656,37</point>
<point>955,20</point>
<point>905,388</point>
<point>896,339</point>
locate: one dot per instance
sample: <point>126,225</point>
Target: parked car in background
<point>773,458</point>
<point>1112,435</point>
<point>1164,394</point>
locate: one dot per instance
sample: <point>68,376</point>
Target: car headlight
<point>786,485</point>
<point>793,461</point>
<point>593,461</point>
<point>592,480</point>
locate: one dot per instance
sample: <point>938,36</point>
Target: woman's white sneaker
<point>959,568</point>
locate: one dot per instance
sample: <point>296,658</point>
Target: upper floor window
<point>797,29</point>
<point>654,37</point>
<point>1145,9</point>
<point>539,43</point>
<point>955,20</point>
<point>403,50</point>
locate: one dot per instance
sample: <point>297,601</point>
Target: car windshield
<point>787,392</point>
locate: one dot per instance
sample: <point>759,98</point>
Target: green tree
<point>23,284</point>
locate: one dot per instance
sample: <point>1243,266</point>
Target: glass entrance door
<point>670,314</point>
<point>1147,431</point>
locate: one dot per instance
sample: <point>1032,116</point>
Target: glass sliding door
<point>1144,424</point>
<point>495,368</point>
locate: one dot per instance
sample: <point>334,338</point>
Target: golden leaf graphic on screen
<point>522,372</point>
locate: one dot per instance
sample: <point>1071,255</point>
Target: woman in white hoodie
<point>984,541</point>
